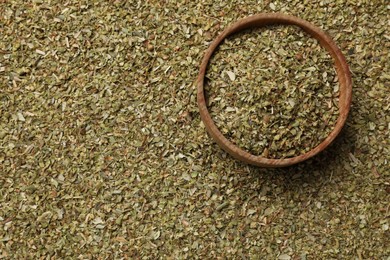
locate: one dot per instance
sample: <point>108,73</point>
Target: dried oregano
<point>273,91</point>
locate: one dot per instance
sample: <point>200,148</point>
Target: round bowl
<point>343,73</point>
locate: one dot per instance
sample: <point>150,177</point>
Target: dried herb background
<point>103,154</point>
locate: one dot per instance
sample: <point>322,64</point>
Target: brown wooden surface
<point>343,73</point>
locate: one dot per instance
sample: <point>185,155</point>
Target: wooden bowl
<point>343,74</point>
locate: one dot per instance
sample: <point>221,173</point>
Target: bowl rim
<point>342,69</point>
